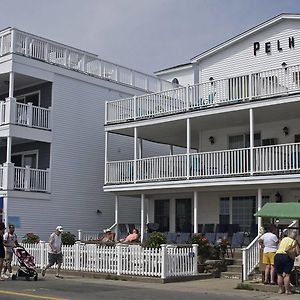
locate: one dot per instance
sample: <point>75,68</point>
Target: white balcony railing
<point>12,112</point>
<point>225,91</point>
<point>24,179</point>
<point>19,42</point>
<point>274,159</point>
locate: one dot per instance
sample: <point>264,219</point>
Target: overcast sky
<point>147,35</point>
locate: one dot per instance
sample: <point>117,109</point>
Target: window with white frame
<point>33,97</point>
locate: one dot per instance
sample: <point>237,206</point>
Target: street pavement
<point>80,288</point>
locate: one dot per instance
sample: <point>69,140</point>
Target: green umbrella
<point>288,210</point>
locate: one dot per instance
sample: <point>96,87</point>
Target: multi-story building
<point>232,133</point>
<point>51,133</point>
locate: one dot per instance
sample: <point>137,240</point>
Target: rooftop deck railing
<point>15,41</point>
<point>273,159</point>
<point>231,90</point>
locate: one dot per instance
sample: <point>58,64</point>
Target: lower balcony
<point>24,179</point>
<point>263,160</point>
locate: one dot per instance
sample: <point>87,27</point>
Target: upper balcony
<point>211,94</point>
<point>12,112</point>
<point>19,42</point>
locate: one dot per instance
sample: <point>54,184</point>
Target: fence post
<point>119,259</point>
<point>79,234</point>
<point>29,115</point>
<point>10,110</point>
<point>195,259</point>
<point>42,248</point>
<point>27,178</point>
<point>77,256</point>
<point>244,264</point>
<point>163,261</point>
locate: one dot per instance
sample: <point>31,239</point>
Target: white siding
<point>185,76</point>
<point>239,58</point>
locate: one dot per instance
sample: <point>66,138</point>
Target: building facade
<point>52,112</point>
<point>232,134</point>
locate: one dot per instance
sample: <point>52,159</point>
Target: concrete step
<point>231,275</point>
<point>235,268</point>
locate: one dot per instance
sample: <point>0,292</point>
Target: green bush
<point>30,238</point>
<point>204,248</point>
<point>68,238</point>
<point>155,240</point>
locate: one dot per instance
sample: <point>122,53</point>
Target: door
<point>183,215</point>
<point>162,214</point>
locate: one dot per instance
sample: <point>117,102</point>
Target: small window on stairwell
<point>175,81</point>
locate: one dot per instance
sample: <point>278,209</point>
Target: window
<point>243,141</point>
<point>33,97</point>
<point>162,214</point>
<point>297,138</point>
<point>175,81</point>
<point>23,159</point>
<point>183,215</point>
<point>296,78</point>
<point>224,216</point>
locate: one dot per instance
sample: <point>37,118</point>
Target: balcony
<point>267,160</point>
<point>24,179</point>
<point>12,112</point>
<point>22,43</point>
<point>215,93</point>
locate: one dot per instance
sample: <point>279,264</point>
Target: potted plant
<point>155,239</point>
<point>67,238</point>
<point>30,238</point>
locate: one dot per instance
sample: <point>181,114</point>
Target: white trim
<point>28,152</point>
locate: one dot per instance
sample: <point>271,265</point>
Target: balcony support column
<point>142,217</point>
<point>135,153</point>
<point>8,149</point>
<point>195,212</point>
<point>188,146</point>
<point>259,204</point>
<point>5,211</point>
<point>105,157</point>
<point>171,150</point>
<point>251,140</point>
<point>117,216</point>
<point>11,85</point>
<point>140,148</point>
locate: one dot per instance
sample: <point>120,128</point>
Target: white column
<point>5,212</point>
<point>135,153</point>
<point>11,85</point>
<point>195,212</point>
<point>188,146</point>
<point>8,149</point>
<point>117,216</point>
<point>147,211</point>
<point>259,204</point>
<point>105,157</point>
<point>251,140</point>
<point>142,216</point>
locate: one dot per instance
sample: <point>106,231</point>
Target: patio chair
<point>237,241</point>
<point>222,227</point>
<point>209,228</point>
<point>211,236</point>
<point>171,238</point>
<point>122,231</point>
<point>233,228</point>
<point>183,237</point>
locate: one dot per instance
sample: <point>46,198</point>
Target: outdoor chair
<point>200,228</point>
<point>209,228</point>
<point>237,241</point>
<point>233,228</point>
<point>122,231</point>
<point>183,237</point>
<point>222,227</point>
<point>171,238</point>
<point>211,236</point>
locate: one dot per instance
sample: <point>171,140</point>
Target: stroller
<point>26,266</point>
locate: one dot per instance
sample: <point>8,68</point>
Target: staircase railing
<point>251,254</point>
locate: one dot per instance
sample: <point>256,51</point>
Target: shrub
<point>204,248</point>
<point>68,238</point>
<point>30,238</point>
<point>155,240</point>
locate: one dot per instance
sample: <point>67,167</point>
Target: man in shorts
<point>54,251</point>
<point>10,241</point>
<point>268,242</point>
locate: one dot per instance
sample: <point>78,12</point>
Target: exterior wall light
<point>285,130</point>
<point>211,139</point>
<point>211,79</point>
<point>99,212</point>
<point>284,65</point>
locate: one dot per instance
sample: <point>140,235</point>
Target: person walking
<point>268,241</point>
<point>2,250</point>
<point>55,255</point>
<point>284,263</point>
<point>10,241</point>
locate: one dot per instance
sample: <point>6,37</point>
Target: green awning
<point>289,210</point>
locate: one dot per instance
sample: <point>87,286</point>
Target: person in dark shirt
<point>2,251</point>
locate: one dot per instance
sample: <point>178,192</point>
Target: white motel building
<point>229,134</point>
<point>52,112</point>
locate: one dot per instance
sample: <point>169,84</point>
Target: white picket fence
<point>166,261</point>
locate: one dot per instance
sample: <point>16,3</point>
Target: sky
<point>146,35</point>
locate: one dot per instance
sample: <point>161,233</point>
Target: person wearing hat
<point>2,251</point>
<point>54,251</point>
<point>10,241</point>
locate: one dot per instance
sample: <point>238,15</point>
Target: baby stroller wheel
<point>14,277</point>
<point>35,277</point>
